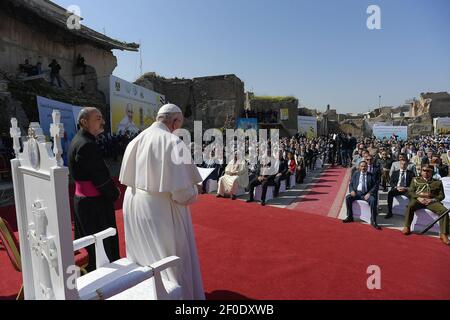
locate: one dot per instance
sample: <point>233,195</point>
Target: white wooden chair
<point>44,223</point>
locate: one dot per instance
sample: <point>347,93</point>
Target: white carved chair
<point>47,249</point>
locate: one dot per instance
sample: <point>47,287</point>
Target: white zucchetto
<point>169,108</point>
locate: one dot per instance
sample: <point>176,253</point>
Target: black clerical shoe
<point>348,220</point>
<point>250,200</point>
<point>263,203</point>
<point>375,225</point>
<point>233,197</point>
<point>219,196</point>
<point>389,216</point>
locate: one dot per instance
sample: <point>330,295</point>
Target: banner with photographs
<point>133,108</point>
<point>307,126</point>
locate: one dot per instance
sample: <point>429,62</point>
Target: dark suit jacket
<point>283,167</point>
<point>396,176</point>
<point>372,183</point>
<point>443,171</point>
<point>376,172</point>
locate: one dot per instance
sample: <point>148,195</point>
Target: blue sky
<point>319,51</point>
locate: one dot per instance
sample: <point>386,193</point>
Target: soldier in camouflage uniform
<point>427,193</point>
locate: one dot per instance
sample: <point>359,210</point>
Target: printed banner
<point>247,124</point>
<point>442,126</point>
<point>307,126</point>
<point>133,108</point>
<point>381,132</point>
<point>69,116</point>
<point>284,114</point>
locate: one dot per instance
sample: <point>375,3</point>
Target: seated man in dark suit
<point>373,169</point>
<point>439,171</point>
<point>400,181</point>
<point>363,186</point>
<point>266,178</point>
<point>283,174</point>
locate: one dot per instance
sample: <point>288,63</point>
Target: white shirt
<point>360,185</point>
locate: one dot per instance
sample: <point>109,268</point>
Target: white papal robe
<point>156,214</point>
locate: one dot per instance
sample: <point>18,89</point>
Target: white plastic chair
<point>269,194</point>
<point>212,186</point>
<point>282,186</point>
<point>446,184</point>
<point>422,219</point>
<point>399,205</point>
<point>293,181</point>
<point>361,210</point>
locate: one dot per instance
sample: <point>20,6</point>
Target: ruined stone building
<point>37,31</point>
<point>436,104</point>
<point>275,113</point>
<point>217,101</point>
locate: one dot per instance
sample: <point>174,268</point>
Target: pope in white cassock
<point>156,213</point>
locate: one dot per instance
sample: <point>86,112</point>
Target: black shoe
<point>233,197</point>
<point>389,216</point>
<point>250,200</point>
<point>375,225</point>
<point>348,220</point>
<point>219,196</point>
<point>263,203</point>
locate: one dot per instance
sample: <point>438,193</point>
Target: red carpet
<point>326,195</point>
<point>268,253</point>
<point>253,252</point>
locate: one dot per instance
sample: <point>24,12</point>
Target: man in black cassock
<point>95,191</point>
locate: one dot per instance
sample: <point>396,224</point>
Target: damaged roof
<point>58,16</point>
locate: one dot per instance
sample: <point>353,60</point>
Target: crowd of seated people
<point>298,156</point>
<point>391,165</point>
<point>412,168</point>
